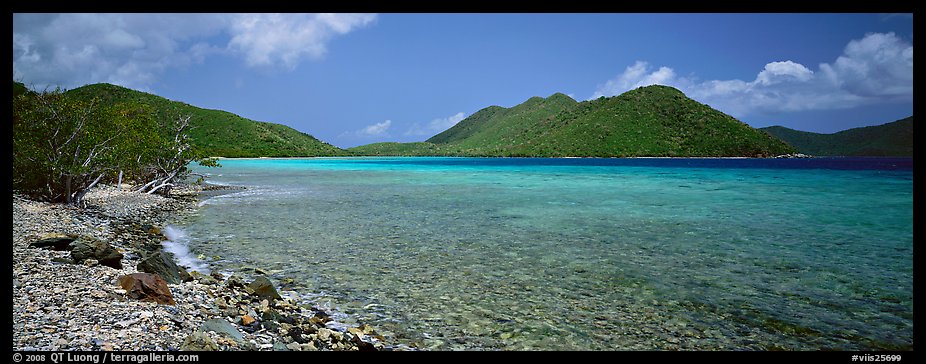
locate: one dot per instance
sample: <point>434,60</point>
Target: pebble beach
<point>62,301</point>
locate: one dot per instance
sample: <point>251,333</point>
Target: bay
<point>580,254</point>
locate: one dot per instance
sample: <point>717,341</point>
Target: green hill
<point>19,89</point>
<point>891,139</point>
<point>497,127</point>
<point>216,132</point>
<point>398,149</point>
<point>648,121</point>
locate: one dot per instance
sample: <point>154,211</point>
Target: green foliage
<point>649,121</point>
<point>396,149</point>
<point>19,89</point>
<point>61,145</point>
<point>891,139</point>
<point>216,132</point>
<point>64,145</point>
<point>209,162</point>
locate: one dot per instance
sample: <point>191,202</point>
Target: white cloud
<point>269,39</point>
<point>375,130</point>
<point>435,126</point>
<point>634,76</point>
<point>777,72</point>
<point>876,65</point>
<point>876,68</point>
<point>134,50</point>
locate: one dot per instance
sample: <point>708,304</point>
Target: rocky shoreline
<point>91,278</point>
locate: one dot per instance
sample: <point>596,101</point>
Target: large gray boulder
<point>263,288</point>
<point>162,263</point>
<point>87,247</point>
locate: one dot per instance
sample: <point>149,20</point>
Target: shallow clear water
<point>584,254</point>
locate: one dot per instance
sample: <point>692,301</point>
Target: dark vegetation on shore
<point>651,121</point>
<point>894,139</point>
<point>64,145</point>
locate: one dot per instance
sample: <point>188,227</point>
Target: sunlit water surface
<point>583,254</point>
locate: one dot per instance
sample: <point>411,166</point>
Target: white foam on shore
<point>229,198</point>
<point>252,193</point>
<point>215,183</point>
<point>178,245</point>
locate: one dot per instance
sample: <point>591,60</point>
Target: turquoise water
<point>580,254</point>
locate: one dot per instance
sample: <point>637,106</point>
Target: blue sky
<point>353,79</point>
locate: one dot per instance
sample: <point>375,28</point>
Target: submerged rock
<point>147,287</point>
<point>263,288</point>
<point>86,247</point>
<point>162,263</point>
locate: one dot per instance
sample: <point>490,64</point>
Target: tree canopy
<point>62,146</point>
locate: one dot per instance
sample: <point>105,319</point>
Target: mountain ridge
<point>889,139</point>
<point>219,132</point>
<point>651,121</point>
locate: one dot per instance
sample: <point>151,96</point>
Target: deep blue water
<point>579,254</point>
<point>839,163</point>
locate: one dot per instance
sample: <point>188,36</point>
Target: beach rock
<point>247,320</point>
<point>310,346</point>
<point>234,281</point>
<point>230,311</point>
<point>293,346</point>
<point>86,247</point>
<point>320,318</point>
<point>203,278</point>
<point>362,341</point>
<point>271,319</point>
<point>257,270</point>
<point>162,263</point>
<point>91,262</point>
<point>199,341</point>
<point>223,328</point>
<point>152,230</point>
<point>263,288</point>
<point>355,331</point>
<point>324,334</point>
<point>54,241</point>
<point>295,333</point>
<point>279,346</point>
<point>253,327</point>
<point>147,287</point>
